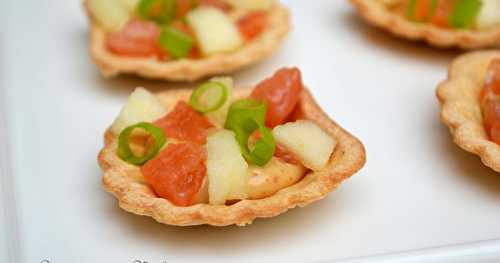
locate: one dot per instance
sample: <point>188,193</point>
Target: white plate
<point>418,190</point>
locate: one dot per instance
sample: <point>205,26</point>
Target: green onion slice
<point>240,110</point>
<point>263,149</point>
<point>412,9</point>
<point>464,13</point>
<point>160,11</point>
<point>244,117</point>
<point>412,6</point>
<point>209,97</point>
<point>175,42</point>
<point>434,5</point>
<point>126,153</point>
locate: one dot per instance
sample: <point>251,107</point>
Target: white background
<point>417,190</point>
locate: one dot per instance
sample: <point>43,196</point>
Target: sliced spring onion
<point>434,6</point>
<point>126,154</point>
<point>218,117</point>
<point>209,97</point>
<point>175,42</point>
<point>160,11</point>
<point>464,13</point>
<point>413,6</point>
<point>263,150</point>
<point>240,110</point>
<point>244,117</point>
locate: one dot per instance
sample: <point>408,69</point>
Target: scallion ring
<point>464,13</point>
<point>240,110</point>
<point>263,150</point>
<point>126,154</point>
<point>160,11</point>
<point>412,6</point>
<point>412,10</point>
<point>209,97</point>
<point>175,42</point>
<point>244,117</point>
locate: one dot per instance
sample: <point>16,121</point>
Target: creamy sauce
<point>264,181</point>
<point>276,175</point>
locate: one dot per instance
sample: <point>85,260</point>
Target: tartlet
<point>190,69</point>
<point>461,108</point>
<point>128,185</point>
<point>377,13</point>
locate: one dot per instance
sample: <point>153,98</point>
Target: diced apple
<point>489,15</point>
<point>226,169</point>
<point>307,141</point>
<point>251,4</point>
<point>218,117</point>
<point>141,106</point>
<point>214,30</point>
<point>131,5</point>
<point>110,14</point>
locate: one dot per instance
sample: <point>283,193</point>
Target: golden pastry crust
<point>191,69</point>
<point>126,183</point>
<point>460,106</point>
<point>377,14</point>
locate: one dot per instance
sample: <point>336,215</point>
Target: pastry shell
<point>377,14</point>
<point>126,183</point>
<point>460,106</point>
<point>191,69</point>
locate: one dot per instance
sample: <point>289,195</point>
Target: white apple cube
<point>112,15</point>
<point>214,30</point>
<point>218,117</point>
<point>142,106</point>
<point>306,140</point>
<point>251,4</point>
<point>226,169</point>
<point>489,15</point>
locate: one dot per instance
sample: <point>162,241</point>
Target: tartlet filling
<point>218,149</point>
<point>177,29</point>
<point>450,14</point>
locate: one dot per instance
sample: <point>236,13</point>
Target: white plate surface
<point>418,190</point>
